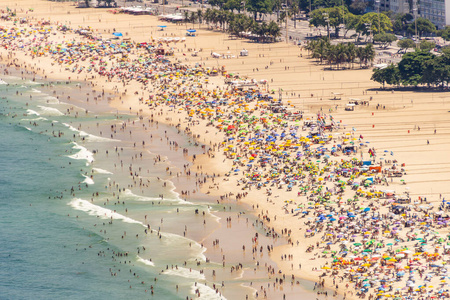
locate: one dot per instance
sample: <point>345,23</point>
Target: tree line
<point>416,68</point>
<point>342,55</point>
<point>238,25</point>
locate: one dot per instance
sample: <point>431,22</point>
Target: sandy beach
<point>376,229</point>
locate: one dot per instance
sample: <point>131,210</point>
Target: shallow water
<point>75,216</point>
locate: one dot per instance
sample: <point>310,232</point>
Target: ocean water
<point>81,212</point>
<point>67,229</point>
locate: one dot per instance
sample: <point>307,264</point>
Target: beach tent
<point>350,107</point>
<point>243,52</point>
<point>191,32</point>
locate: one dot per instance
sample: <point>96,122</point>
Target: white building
<point>437,11</point>
<point>399,6</point>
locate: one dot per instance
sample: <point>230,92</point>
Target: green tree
<point>218,3</point>
<point>385,39</point>
<point>260,7</point>
<point>378,76</point>
<point>358,7</point>
<point>389,75</point>
<point>371,20</point>
<point>401,22</point>
<point>424,27</point>
<point>273,30</point>
<point>426,45</point>
<point>412,67</point>
<point>351,22</point>
<point>233,5</point>
<point>334,15</point>
<point>445,33</point>
<point>326,3</point>
<point>406,44</point>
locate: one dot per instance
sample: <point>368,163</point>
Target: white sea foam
<point>33,82</point>
<point>3,82</point>
<point>36,91</point>
<point>206,292</point>
<point>104,213</point>
<point>90,137</point>
<point>50,111</point>
<point>35,119</point>
<point>101,171</point>
<point>27,128</point>
<point>87,180</point>
<point>51,100</point>
<point>145,261</point>
<point>32,112</point>
<point>175,239</point>
<point>185,272</point>
<point>129,193</point>
<point>82,154</point>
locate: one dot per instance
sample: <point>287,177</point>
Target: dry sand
<point>393,126</point>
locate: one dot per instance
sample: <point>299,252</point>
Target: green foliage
<point>261,7</point>
<point>326,3</point>
<point>358,7</point>
<point>401,22</point>
<point>444,33</point>
<point>233,5</point>
<point>373,19</point>
<point>416,68</point>
<point>385,39</point>
<point>424,27</point>
<point>237,24</point>
<point>218,3</point>
<point>426,45</point>
<point>340,54</point>
<point>406,44</point>
<point>389,75</point>
<point>335,16</point>
<point>412,67</point>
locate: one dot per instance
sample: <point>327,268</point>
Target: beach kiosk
<point>243,52</point>
<point>350,107</point>
<point>337,96</point>
<point>191,32</point>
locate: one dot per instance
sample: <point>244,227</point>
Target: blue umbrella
<point>117,34</point>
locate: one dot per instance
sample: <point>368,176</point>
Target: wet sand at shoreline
<point>386,127</point>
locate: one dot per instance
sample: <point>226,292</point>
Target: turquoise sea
<point>56,242</point>
<point>81,212</point>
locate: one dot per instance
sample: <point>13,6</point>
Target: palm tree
<point>360,54</point>
<point>341,54</point>
<point>294,10</point>
<point>351,54</point>
<point>186,17</point>
<point>331,54</point>
<point>199,17</point>
<point>207,16</point>
<point>369,53</point>
<point>320,49</point>
<point>273,30</point>
<point>192,18</point>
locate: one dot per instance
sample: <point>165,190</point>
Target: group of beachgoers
<point>368,240</point>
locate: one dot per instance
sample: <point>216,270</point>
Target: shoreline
<point>92,108</point>
<point>366,132</point>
